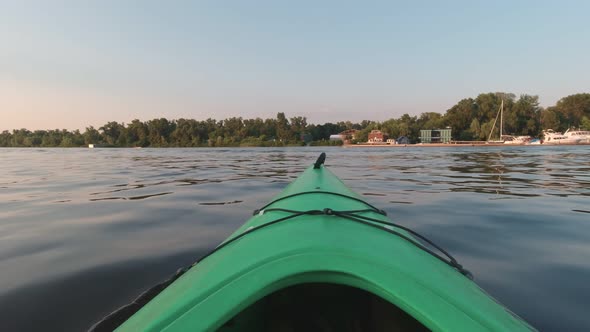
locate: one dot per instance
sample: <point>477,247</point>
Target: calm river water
<point>84,231</point>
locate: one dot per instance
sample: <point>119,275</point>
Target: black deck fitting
<point>320,160</point>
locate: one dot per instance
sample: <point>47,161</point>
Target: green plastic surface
<point>321,249</point>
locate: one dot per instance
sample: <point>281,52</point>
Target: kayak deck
<point>317,253</point>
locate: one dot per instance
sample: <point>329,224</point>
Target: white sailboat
<point>505,139</point>
<point>501,114</point>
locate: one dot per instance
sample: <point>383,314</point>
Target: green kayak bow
<point>320,258</point>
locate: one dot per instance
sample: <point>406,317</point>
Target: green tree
<point>409,126</point>
<point>5,139</point>
<point>298,127</point>
<point>254,127</point>
<point>391,128</point>
<point>526,112</point>
<point>460,116</point>
<point>573,108</point>
<point>137,134</point>
<point>550,119</point>
<point>234,128</point>
<point>91,136</point>
<point>282,127</point>
<point>159,131</point>
<point>476,131</point>
<point>111,132</point>
<point>37,137</point>
<point>431,120</point>
<point>52,138</point>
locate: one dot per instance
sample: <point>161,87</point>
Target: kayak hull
<point>263,257</point>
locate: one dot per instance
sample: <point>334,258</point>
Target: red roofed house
<point>376,136</point>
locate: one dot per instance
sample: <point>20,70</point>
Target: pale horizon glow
<point>70,65</point>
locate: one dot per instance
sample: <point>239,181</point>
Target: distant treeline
<point>469,119</point>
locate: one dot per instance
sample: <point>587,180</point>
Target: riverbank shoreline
<point>448,145</point>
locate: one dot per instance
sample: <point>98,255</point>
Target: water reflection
<point>132,198</point>
<point>220,203</point>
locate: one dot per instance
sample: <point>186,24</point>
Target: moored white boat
<point>515,140</point>
<point>583,135</point>
<point>555,138</point>
<point>534,141</point>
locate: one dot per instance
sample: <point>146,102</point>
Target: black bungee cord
<point>351,215</point>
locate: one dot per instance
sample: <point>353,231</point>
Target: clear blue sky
<point>79,63</point>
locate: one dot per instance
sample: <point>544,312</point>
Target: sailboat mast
<point>501,116</point>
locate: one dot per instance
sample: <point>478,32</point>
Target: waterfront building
<point>346,136</point>
<point>377,136</point>
<point>403,140</point>
<point>435,135</point>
